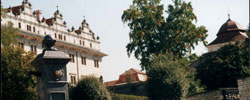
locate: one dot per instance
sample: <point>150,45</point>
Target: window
<point>19,25</point>
<point>21,45</point>
<point>33,49</point>
<point>34,29</point>
<point>73,79</point>
<point>80,42</point>
<point>55,36</point>
<point>38,32</point>
<point>101,79</point>
<point>90,45</point>
<point>28,28</point>
<point>60,36</point>
<point>83,43</point>
<point>83,60</point>
<point>64,38</point>
<point>72,57</point>
<point>44,33</point>
<point>96,63</point>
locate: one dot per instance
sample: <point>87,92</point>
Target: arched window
<point>101,79</point>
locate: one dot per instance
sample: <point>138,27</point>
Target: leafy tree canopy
<point>152,33</point>
<point>222,68</point>
<point>17,84</point>
<point>169,79</point>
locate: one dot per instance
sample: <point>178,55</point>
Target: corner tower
<point>229,32</point>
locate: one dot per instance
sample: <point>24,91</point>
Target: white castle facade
<point>80,44</point>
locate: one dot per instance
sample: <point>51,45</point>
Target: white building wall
<point>77,68</point>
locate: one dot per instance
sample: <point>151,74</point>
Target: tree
<point>90,88</point>
<point>17,84</point>
<point>222,68</point>
<point>152,33</point>
<point>169,79</point>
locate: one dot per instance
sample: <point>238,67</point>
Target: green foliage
<point>152,33</point>
<point>167,78</point>
<point>8,35</point>
<point>127,97</point>
<point>17,84</point>
<point>222,68</point>
<point>89,88</point>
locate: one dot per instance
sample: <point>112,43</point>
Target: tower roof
<point>230,25</point>
<point>230,31</point>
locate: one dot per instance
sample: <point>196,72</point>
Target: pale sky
<point>104,18</point>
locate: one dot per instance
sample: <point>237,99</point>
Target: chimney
<point>37,13</point>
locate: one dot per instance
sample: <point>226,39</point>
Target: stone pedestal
<point>52,75</point>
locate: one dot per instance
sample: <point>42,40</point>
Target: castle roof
<point>229,31</point>
<point>16,10</point>
<point>134,75</point>
<point>229,26</point>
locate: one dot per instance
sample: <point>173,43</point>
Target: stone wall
<point>212,95</point>
<point>220,94</point>
<point>244,88</point>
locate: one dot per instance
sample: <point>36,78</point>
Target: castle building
<point>131,82</point>
<point>229,33</point>
<point>80,44</point>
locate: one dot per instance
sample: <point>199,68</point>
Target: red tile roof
<point>230,31</point>
<point>134,75</point>
<point>16,10</point>
<point>49,21</point>
<point>110,83</point>
<point>230,26</point>
<point>230,36</point>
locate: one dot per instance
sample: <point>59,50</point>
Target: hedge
<point>127,97</point>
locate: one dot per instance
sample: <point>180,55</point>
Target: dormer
<point>58,17</point>
<point>27,7</point>
<point>84,24</point>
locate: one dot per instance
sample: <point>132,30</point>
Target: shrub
<point>167,78</point>
<point>89,88</point>
<point>127,97</point>
<point>222,68</point>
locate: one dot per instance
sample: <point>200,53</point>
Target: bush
<point>127,97</point>
<point>222,68</point>
<point>167,78</point>
<point>89,88</point>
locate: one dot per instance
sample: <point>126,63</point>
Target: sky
<point>104,18</point>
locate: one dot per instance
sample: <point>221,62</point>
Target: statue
<point>48,42</point>
<point>50,69</point>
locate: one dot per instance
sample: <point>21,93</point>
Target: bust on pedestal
<point>51,72</point>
